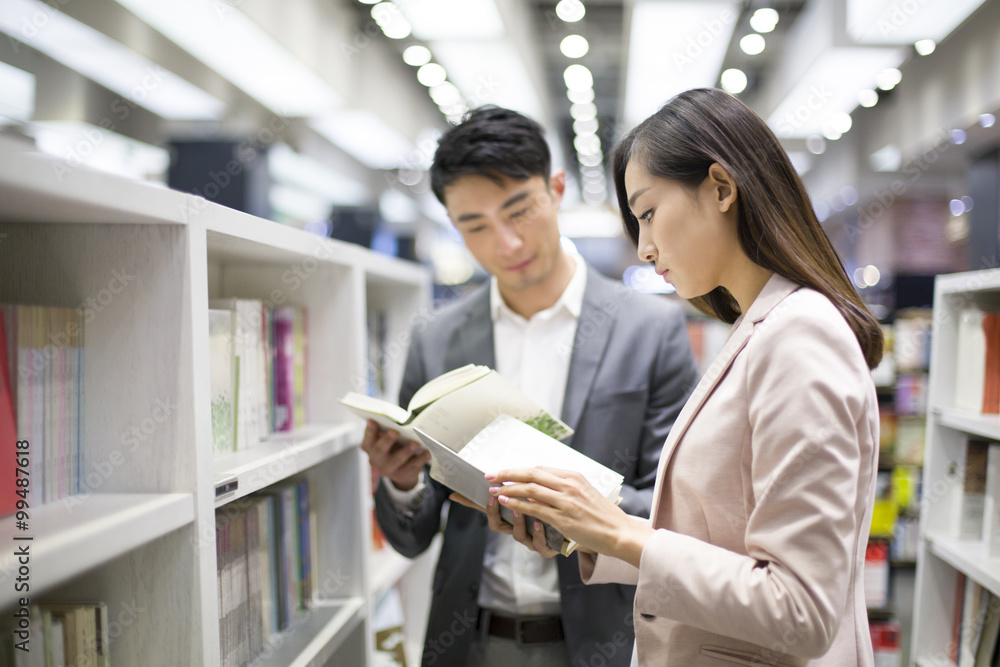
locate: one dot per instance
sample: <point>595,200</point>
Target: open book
<point>508,443</point>
<point>474,421</point>
<point>454,407</point>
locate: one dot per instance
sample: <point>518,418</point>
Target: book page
<point>370,407</point>
<point>445,384</point>
<point>456,418</point>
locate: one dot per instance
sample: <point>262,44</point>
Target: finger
<point>415,464</point>
<point>381,446</point>
<point>497,524</point>
<point>537,510</point>
<point>530,491</point>
<point>544,477</point>
<point>538,542</point>
<point>399,457</point>
<point>520,531</point>
<point>462,500</point>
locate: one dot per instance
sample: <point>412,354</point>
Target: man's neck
<point>537,298</point>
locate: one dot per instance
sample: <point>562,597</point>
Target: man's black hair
<point>491,142</point>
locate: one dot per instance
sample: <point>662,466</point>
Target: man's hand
<point>401,462</point>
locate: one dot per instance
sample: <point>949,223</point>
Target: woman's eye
<point>647,216</point>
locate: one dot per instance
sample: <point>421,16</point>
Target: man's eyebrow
<point>519,197</point>
<point>466,217</point>
<point>635,195</point>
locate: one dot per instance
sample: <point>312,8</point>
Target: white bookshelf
<point>143,539</point>
<point>941,558</point>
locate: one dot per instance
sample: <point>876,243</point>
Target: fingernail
<point>538,525</point>
<point>490,475</point>
<point>494,490</point>
<point>492,500</point>
<point>516,514</point>
<point>503,499</point>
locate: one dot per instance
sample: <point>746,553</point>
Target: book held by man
<point>474,421</point>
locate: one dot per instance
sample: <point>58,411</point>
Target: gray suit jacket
<point>631,371</point>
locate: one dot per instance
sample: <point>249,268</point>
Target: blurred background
<point>332,109</point>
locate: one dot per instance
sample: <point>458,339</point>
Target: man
<point>615,364</point>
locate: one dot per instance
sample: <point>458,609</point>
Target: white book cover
<point>221,380</point>
<point>991,502</point>
<point>970,363</point>
<point>970,492</point>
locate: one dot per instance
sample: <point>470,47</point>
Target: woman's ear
<point>723,187</point>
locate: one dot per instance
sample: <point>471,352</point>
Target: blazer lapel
<point>776,289</point>
<point>473,340</point>
<point>593,330</point>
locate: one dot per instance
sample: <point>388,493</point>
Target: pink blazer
<point>763,500</point>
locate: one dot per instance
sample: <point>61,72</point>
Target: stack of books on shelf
<point>70,633</point>
<point>265,547</point>
<point>257,369</point>
<point>41,402</point>
<point>377,354</point>
<point>886,643</point>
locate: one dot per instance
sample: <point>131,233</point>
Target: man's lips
<point>522,265</point>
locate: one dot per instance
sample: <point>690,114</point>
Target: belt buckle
<point>519,631</point>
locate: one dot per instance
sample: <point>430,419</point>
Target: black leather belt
<point>524,630</point>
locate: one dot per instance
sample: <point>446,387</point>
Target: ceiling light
<point>816,144</point>
<point>431,74</point>
<point>871,275</point>
<point>925,47</point>
<point>109,63</point>
<point>734,81</point>
<point>588,126</point>
<point>674,46</point>
<point>956,207</point>
<point>581,96</point>
<point>453,19</point>
<point>369,2</point>
<point>887,158</point>
<point>591,160</point>
<point>841,122</point>
<point>849,194</point>
<point>578,77</point>
<point>587,144</point>
<point>18,86</point>
<point>100,148</point>
<point>867,98</point>
<point>967,203</point>
<point>831,133</point>
<point>570,11</point>
<point>365,136</point>
<point>987,120</point>
<point>888,78</point>
<point>445,94</point>
<point>397,208</point>
<point>416,55</point>
<point>583,111</point>
<point>752,44</point>
<point>574,46</point>
<point>957,137</point>
<point>242,52</point>
<point>764,20</point>
<point>394,25</point>
<point>801,162</point>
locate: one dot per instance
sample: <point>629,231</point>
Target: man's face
<point>510,227</point>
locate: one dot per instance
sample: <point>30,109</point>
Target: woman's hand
<point>535,542</point>
<point>568,502</point>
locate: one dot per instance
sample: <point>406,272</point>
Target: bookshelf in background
<point>140,533</point>
<point>957,605</point>
<point>901,381</point>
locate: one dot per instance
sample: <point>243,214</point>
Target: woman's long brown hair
<point>776,225</point>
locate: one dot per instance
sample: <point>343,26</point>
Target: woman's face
<point>688,235</point>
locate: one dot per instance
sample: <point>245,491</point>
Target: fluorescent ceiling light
<point>894,22</point>
<point>391,20</point>
<point>581,96</point>
<point>80,143</point>
<point>674,46</point>
<point>578,77</point>
<point>297,205</point>
<point>753,44</point>
<point>431,75</point>
<point>397,208</point>
<point>241,51</point>
<point>801,161</point>
<point>107,62</point>
<point>887,158</point>
<point>867,97</point>
<point>304,173</point>
<point>364,136</point>
<point>925,47</point>
<point>574,46</point>
<point>416,55</point>
<point>453,19</point>
<point>18,86</point>
<point>764,20</point>
<point>570,11</point>
<point>489,72</point>
<point>829,86</point>
<point>734,81</point>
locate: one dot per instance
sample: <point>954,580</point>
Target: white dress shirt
<point>534,355</point>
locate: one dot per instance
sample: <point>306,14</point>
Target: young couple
<point>741,535</point>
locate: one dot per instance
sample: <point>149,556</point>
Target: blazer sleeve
<point>410,531</point>
<point>600,569</point>
<point>807,398</point>
<point>674,376</point>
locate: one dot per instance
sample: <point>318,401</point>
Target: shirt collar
<point>571,299</point>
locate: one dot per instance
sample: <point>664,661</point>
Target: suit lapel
<point>472,342</point>
<point>593,331</point>
<point>776,289</point>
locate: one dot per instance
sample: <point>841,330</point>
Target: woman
<point>754,552</point>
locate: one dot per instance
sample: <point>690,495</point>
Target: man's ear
<point>557,184</point>
<point>724,189</point>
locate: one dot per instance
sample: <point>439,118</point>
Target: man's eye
<point>476,229</point>
<point>518,214</point>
